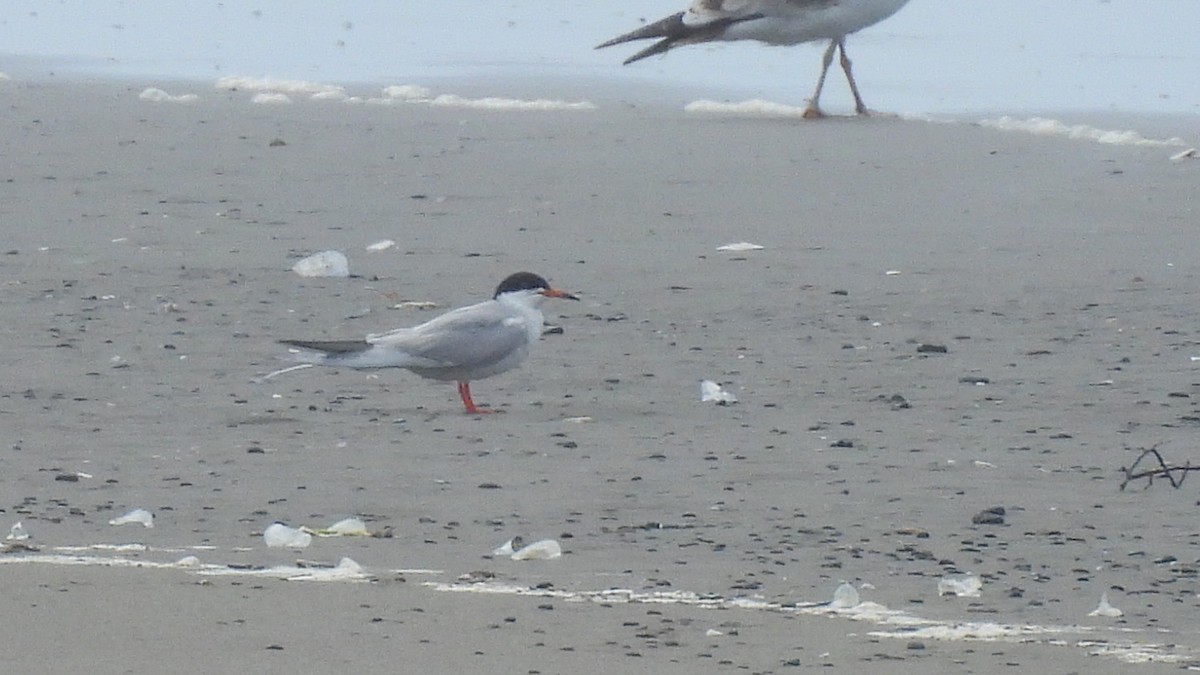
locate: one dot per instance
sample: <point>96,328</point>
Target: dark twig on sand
<point>1174,474</point>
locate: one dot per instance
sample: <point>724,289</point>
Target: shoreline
<point>645,91</point>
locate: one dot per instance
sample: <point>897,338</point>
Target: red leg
<point>464,392</point>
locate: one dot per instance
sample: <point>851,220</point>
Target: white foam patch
<point>752,108</point>
<point>1039,126</point>
<point>84,561</point>
<point>1130,652</point>
<point>983,631</point>
<point>494,103</point>
<point>271,91</point>
<point>116,548</point>
<point>337,96</point>
<point>270,98</point>
<point>907,626</point>
<point>1042,126</point>
<point>155,95</point>
<point>407,92</point>
<point>4,76</point>
<point>267,84</point>
<point>346,570</point>
<point>414,94</point>
<point>1123,650</point>
<point>898,624</point>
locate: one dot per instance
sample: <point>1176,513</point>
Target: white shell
<point>17,533</point>
<point>381,245</point>
<point>711,391</point>
<point>546,549</point>
<point>1105,609</point>
<point>964,587</point>
<point>740,246</point>
<point>845,597</point>
<point>135,516</point>
<point>1190,153</point>
<point>279,535</point>
<point>349,527</point>
<point>323,264</point>
<point>509,547</point>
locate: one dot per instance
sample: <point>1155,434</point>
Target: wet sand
<point>146,266</point>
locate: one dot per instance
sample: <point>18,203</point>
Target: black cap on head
<point>521,281</point>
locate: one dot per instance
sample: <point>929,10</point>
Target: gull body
<point>773,22</point>
<point>465,344</point>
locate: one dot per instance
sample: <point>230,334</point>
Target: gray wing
<point>469,336</point>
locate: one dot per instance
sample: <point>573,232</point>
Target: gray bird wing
<point>466,337</point>
<point>705,11</point>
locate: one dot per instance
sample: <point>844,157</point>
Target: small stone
<point>992,516</point>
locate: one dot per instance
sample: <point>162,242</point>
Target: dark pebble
<point>992,516</point>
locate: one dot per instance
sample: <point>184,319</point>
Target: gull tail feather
<point>673,31</point>
<point>670,27</point>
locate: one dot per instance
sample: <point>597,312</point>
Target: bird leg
<point>859,106</point>
<point>813,111</point>
<point>464,392</point>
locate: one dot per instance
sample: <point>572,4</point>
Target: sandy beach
<point>943,318</point>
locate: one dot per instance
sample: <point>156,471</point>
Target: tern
<point>774,22</point>
<point>465,344</point>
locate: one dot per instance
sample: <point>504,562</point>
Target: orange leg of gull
<point>464,392</point>
<point>859,106</point>
<point>813,111</point>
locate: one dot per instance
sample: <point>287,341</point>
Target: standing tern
<point>775,22</point>
<point>465,344</point>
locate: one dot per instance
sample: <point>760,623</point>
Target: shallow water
<point>1021,56</point>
